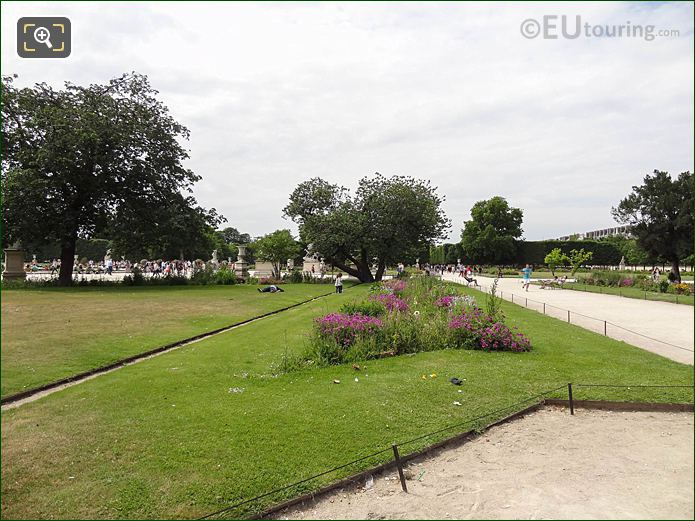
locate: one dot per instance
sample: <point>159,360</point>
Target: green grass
<point>54,333</point>
<point>632,293</point>
<point>166,437</point>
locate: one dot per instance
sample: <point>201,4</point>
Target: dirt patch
<point>547,465</point>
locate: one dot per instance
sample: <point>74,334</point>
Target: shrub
<point>498,337</point>
<point>135,278</point>
<point>627,283</point>
<point>370,308</point>
<point>493,303</point>
<point>396,286</point>
<point>344,329</point>
<point>295,277</point>
<point>465,328</point>
<point>682,288</point>
<point>445,302</point>
<point>270,280</point>
<point>390,301</point>
<point>475,330</point>
<point>203,276</point>
<point>225,276</point>
<point>663,286</point>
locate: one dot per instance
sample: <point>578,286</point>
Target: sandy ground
<point>662,321</point>
<point>547,465</point>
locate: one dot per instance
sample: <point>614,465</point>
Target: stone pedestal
<point>306,267</point>
<point>263,269</point>
<point>14,265</point>
<point>241,267</point>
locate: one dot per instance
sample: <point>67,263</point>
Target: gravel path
<point>547,465</point>
<point>665,323</point>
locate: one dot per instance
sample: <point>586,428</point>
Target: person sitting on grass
<point>271,289</point>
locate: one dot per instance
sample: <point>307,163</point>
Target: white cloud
<point>277,93</point>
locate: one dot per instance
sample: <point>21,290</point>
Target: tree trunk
<point>675,269</point>
<point>365,274</point>
<point>67,259</point>
<point>344,267</point>
<point>362,271</point>
<point>380,270</point>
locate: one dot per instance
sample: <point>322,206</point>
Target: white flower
<point>416,313</point>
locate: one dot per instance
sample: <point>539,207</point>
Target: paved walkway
<point>646,324</point>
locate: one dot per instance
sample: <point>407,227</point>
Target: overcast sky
<point>275,94</point>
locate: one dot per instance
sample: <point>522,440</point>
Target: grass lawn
<point>632,293</point>
<point>54,333</point>
<point>170,437</point>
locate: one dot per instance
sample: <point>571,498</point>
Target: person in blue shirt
<point>527,276</point>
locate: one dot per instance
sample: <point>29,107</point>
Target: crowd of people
<point>108,266</point>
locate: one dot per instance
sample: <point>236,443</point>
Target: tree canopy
<point>385,221</point>
<point>87,160</point>
<point>491,234</point>
<point>660,214</point>
<point>233,236</point>
<point>276,248</point>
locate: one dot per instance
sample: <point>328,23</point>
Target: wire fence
<point>597,325</point>
<point>476,423</point>
<point>633,293</point>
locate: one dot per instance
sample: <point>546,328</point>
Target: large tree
<point>660,214</point>
<point>492,233</point>
<point>233,236</point>
<point>385,221</point>
<point>76,159</point>
<point>179,228</point>
<point>276,248</point>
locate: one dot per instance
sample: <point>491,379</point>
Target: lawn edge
<point>22,395</point>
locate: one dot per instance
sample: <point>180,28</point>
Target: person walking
<point>339,283</point>
<point>527,276</point>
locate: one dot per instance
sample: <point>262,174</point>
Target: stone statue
<point>214,257</point>
<point>290,264</point>
<point>107,257</point>
<point>322,266</point>
<point>621,266</point>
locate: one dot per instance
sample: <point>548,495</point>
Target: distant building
<point>599,234</point>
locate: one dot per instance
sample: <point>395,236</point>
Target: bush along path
<point>17,399</point>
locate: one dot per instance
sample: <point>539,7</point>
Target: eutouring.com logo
<point>552,27</point>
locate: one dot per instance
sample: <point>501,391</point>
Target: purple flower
<point>390,301</point>
<point>345,328</point>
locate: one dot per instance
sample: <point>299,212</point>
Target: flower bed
<point>345,329</point>
<point>390,301</point>
<point>422,314</point>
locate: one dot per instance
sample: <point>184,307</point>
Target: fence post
<point>526,301</point>
<point>605,328</point>
<point>400,467</point>
<point>568,316</point>
<point>544,308</point>
<point>512,298</point>
<point>571,400</point>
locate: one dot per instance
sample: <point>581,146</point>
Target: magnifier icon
<point>43,35</point>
